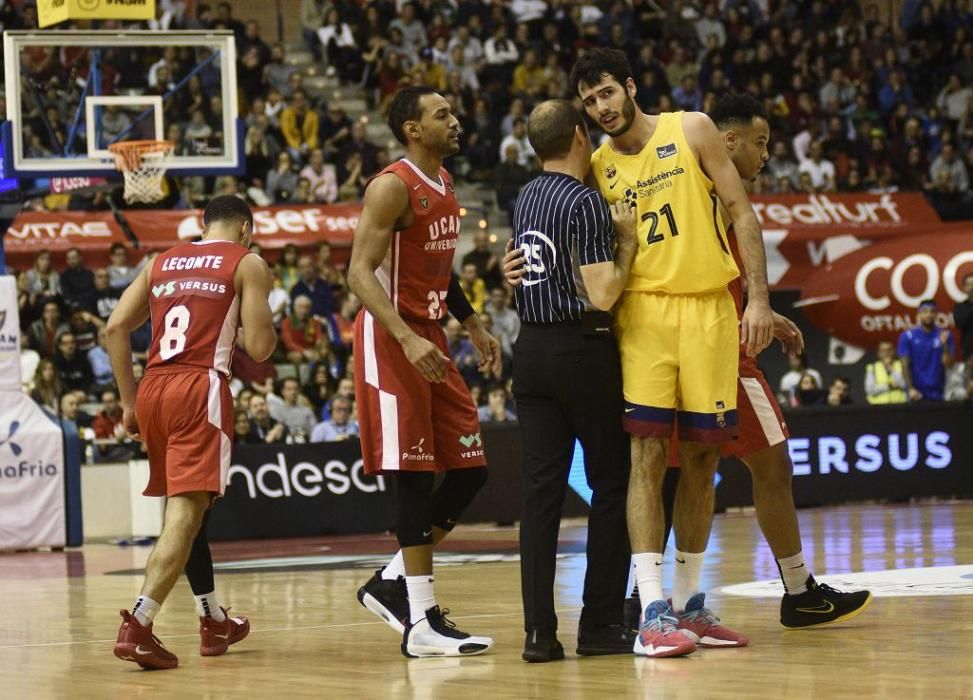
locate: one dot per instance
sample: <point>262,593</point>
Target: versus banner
<point>875,453</point>
<point>274,227</point>
<point>300,491</point>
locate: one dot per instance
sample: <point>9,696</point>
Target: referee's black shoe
<point>602,641</point>
<point>632,612</point>
<point>541,647</point>
<point>821,605</point>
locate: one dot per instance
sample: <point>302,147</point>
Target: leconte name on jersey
<point>196,262</point>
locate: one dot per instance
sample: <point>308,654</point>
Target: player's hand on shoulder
<point>625,217</point>
<point>131,423</point>
<point>514,265</point>
<point>757,327</point>
<point>790,336</point>
<point>426,357</point>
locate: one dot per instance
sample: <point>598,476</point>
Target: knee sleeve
<point>414,519</point>
<point>199,566</point>
<point>455,494</point>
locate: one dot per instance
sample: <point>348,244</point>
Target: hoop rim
<point>141,146</point>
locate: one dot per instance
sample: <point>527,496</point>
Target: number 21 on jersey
<point>173,341</point>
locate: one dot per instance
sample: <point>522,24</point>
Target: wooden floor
<point>59,615</point>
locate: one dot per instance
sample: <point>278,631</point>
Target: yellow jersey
<point>682,239</point>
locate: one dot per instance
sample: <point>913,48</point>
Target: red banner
<point>58,231</point>
<point>301,225</point>
<point>872,294</point>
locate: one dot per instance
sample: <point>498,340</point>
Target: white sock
<point>207,606</point>
<point>648,577</point>
<point>394,568</point>
<point>794,573</point>
<point>421,596</point>
<point>689,568</point>
<point>145,610</point>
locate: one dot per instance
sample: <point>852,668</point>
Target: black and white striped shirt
<point>560,224</point>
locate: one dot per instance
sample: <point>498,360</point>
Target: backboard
<point>70,94</point>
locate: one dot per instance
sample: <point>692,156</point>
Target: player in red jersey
<point>196,295</point>
<point>415,412</point>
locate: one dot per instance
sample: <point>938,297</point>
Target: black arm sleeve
<point>456,301</point>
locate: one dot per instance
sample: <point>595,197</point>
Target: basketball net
<point>144,164</point>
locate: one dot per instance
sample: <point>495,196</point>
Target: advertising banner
<point>274,227</point>
<point>875,453</point>
<point>300,491</point>
<point>31,475</point>
<point>53,11</point>
<point>57,232</point>
<point>9,335</point>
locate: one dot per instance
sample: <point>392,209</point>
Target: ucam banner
<point>31,449</point>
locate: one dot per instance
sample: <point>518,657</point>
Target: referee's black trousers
<point>569,385</point>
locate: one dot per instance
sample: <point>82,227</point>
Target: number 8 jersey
<point>417,269</point>
<point>194,307</point>
<point>682,241</point>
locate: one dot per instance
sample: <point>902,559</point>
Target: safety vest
<point>884,379</point>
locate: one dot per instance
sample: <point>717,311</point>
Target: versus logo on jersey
<point>666,151</point>
<point>167,289</point>
<point>469,441</point>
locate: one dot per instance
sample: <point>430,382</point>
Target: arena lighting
<point>483,223</point>
<point>493,238</point>
<point>462,211</point>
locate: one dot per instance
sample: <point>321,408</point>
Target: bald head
<point>551,128</point>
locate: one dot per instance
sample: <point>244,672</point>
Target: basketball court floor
<point>59,616</point>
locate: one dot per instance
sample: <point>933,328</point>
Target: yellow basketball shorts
<point>680,355</point>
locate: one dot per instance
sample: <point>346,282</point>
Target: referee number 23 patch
<point>666,151</point>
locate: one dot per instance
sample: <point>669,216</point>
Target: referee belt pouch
<point>596,323</point>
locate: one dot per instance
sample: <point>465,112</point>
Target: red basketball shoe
<point>216,637</point>
<point>137,644</point>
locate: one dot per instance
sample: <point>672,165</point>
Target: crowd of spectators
<point>857,102</point>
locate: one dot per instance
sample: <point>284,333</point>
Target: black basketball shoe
<point>386,598</point>
<point>632,613</point>
<point>820,605</point>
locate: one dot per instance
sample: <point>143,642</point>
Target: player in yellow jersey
<point>677,331</point>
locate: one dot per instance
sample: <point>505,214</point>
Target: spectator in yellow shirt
<point>529,76</point>
<point>431,74</point>
<point>299,124</point>
<point>473,287</point>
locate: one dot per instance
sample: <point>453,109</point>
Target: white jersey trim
<point>227,338</point>
<point>440,186</point>
<point>764,411</point>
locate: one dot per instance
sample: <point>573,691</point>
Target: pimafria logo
<point>9,442</point>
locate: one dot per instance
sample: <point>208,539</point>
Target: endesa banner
<point>274,227</point>
<point>863,262</point>
<point>869,453</point>
<point>300,491</point>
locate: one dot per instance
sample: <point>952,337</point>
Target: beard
<point>628,118</point>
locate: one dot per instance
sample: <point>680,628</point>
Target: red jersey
<point>194,307</point>
<point>417,271</point>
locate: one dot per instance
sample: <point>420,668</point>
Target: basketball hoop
<point>144,165</point>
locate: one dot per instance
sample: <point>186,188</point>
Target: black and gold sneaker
<point>820,605</point>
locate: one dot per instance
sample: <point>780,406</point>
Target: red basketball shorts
<point>406,422</point>
<point>186,420</point>
<point>759,418</point>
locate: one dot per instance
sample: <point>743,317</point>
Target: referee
<point>567,381</point>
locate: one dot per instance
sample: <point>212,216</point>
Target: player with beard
<point>415,412</point>
<point>674,323</point>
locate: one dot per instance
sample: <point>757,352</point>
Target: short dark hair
<point>551,128</point>
<point>737,110</point>
<point>406,107</point>
<point>596,63</point>
<point>928,302</point>
<point>283,382</point>
<point>228,208</point>
<point>115,247</point>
